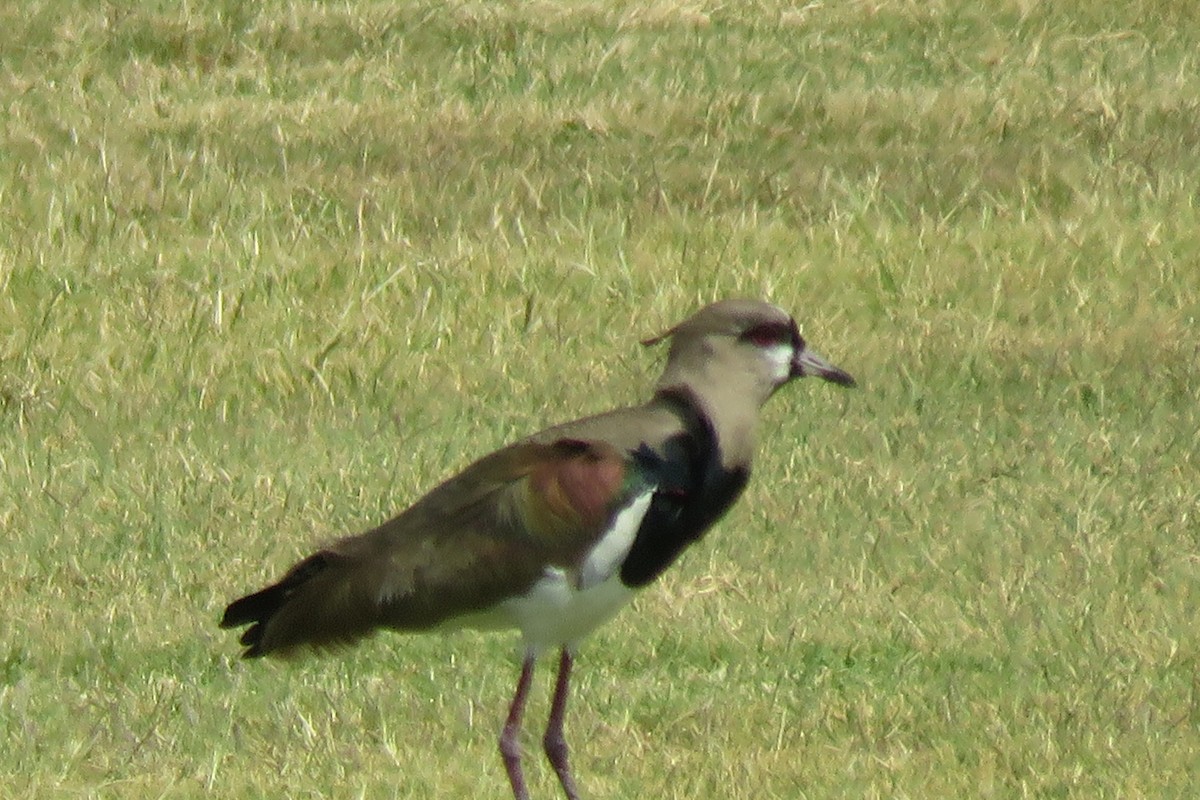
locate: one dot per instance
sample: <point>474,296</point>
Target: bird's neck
<point>733,427</point>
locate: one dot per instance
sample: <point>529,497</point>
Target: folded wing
<point>481,537</point>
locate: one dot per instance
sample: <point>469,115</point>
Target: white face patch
<point>779,356</point>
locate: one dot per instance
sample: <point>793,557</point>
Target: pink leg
<point>554,742</point>
<point>510,747</point>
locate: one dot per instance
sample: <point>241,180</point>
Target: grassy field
<point>268,271</point>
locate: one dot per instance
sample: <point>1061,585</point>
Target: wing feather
<point>482,537</point>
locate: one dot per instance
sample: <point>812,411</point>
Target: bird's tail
<point>316,603</point>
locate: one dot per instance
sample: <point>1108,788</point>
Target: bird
<point>554,533</point>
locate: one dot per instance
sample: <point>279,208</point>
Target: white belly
<point>560,609</point>
<point>556,614</point>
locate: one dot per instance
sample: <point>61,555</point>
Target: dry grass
<point>266,273</point>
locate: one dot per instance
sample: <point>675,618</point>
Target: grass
<point>267,272</point>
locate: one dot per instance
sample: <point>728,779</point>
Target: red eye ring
<point>768,335</point>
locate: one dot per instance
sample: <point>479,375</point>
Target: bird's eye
<point>767,335</point>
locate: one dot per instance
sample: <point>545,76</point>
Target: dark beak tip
<point>841,378</point>
<point>819,368</point>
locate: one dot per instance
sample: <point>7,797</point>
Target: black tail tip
<point>257,609</point>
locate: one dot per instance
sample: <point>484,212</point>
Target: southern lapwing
<point>553,534</point>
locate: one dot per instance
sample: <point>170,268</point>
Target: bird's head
<point>749,345</point>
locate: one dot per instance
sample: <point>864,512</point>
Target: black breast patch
<point>694,491</point>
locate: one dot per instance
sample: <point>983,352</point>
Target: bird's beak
<point>806,363</point>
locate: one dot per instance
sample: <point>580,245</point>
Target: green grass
<point>267,272</point>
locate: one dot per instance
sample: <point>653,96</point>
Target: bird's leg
<point>510,746</point>
<point>554,742</point>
